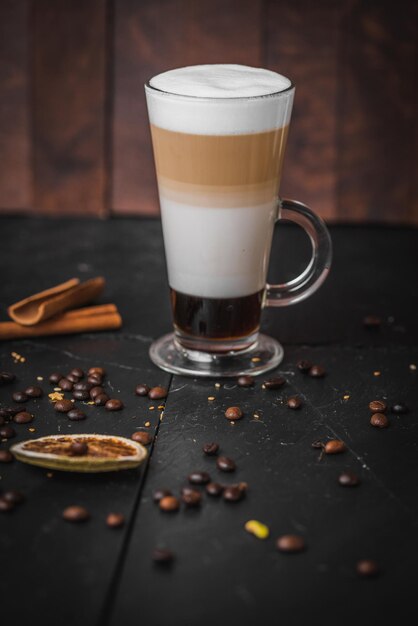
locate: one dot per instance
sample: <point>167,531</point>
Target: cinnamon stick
<point>88,319</point>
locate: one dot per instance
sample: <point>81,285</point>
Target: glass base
<point>263,355</point>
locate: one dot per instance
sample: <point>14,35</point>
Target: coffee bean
<point>211,449</point>
<point>233,413</point>
<point>5,506</point>
<point>20,396</point>
<point>199,478</point>
<point>76,415</point>
<point>73,379</point>
<point>157,393</point>
<point>101,399</point>
<point>77,372</point>
<point>142,390</point>
<point>6,456</point>
<point>23,417</point>
<point>317,444</point>
<point>274,383</point>
<point>13,496</point>
<point>63,406</point>
<point>191,497</point>
<point>65,384</point>
<point>316,371</point>
<point>290,543</point>
<point>79,448</point>
<point>214,489</point>
<point>367,568</point>
<point>233,493</point>
<point>245,381</point>
<point>334,446</point>
<point>95,379</point>
<point>399,409</point>
<point>142,437</point>
<point>225,464</point>
<point>9,411</point>
<point>348,479</point>
<point>34,392</point>
<point>55,378</point>
<point>162,556</point>
<point>83,386</point>
<point>114,404</point>
<point>379,420</point>
<point>75,513</point>
<point>6,378</point>
<point>96,391</point>
<point>97,371</point>
<point>304,366</point>
<point>378,406</point>
<point>80,394</point>
<point>294,402</point>
<point>7,432</point>
<point>159,494</point>
<point>372,322</point>
<point>169,504</point>
<point>115,520</point>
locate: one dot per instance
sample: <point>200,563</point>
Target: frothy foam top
<point>220,81</point>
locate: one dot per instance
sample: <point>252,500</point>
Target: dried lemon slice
<point>105,453</point>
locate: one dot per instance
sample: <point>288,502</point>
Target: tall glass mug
<point>219,135</point>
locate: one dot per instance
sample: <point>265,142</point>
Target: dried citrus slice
<point>105,453</point>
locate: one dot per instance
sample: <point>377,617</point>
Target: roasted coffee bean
<point>6,378</point>
<point>304,366</point>
<point>55,378</point>
<point>214,489</point>
<point>169,504</point>
<point>5,506</point>
<point>290,543</point>
<point>114,404</point>
<point>142,437</point>
<point>83,386</point>
<point>334,446</point>
<point>142,390</point>
<point>95,379</point>
<point>316,371</point>
<point>96,391</point>
<point>348,479</point>
<point>20,396</point>
<point>233,413</point>
<point>63,406</point>
<point>77,372</point>
<point>101,399</point>
<point>6,456</point>
<point>294,402</point>
<point>399,409</point>
<point>79,448</point>
<point>372,322</point>
<point>162,556</point>
<point>159,494</point>
<point>76,513</point>
<point>65,384</point>
<point>13,496</point>
<point>191,497</point>
<point>246,381</point>
<point>233,493</point>
<point>378,406</point>
<point>115,520</point>
<point>379,420</point>
<point>97,371</point>
<point>76,415</point>
<point>211,449</point>
<point>7,432</point>
<point>157,393</point>
<point>274,383</point>
<point>73,379</point>
<point>23,417</point>
<point>8,411</point>
<point>225,464</point>
<point>199,478</point>
<point>367,568</point>
<point>80,394</point>
<point>34,392</point>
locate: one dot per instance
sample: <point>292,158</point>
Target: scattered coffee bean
<point>233,493</point>
<point>79,448</point>
<point>115,520</point>
<point>55,378</point>
<point>20,396</point>
<point>304,366</point>
<point>367,568</point>
<point>80,394</point>
<point>316,371</point>
<point>9,411</point>
<point>96,391</point>
<point>142,390</point>
<point>23,417</point>
<point>101,399</point>
<point>159,494</point>
<point>214,489</point>
<point>96,371</point>
<point>233,413</point>
<point>13,496</point>
<point>65,384</point>
<point>317,444</point>
<point>162,556</point>
<point>114,404</point>
<point>348,479</point>
<point>73,379</point>
<point>294,402</point>
<point>95,379</point>
<point>34,392</point>
<point>76,415</point>
<point>6,456</point>
<point>199,478</point>
<point>157,393</point>
<point>6,378</point>
<point>191,497</point>
<point>63,406</point>
<point>372,322</point>
<point>83,386</point>
<point>379,420</point>
<point>77,372</point>
<point>399,409</point>
<point>274,383</point>
<point>75,514</point>
<point>7,432</point>
<point>225,464</point>
<point>378,406</point>
<point>246,381</point>
<point>290,543</point>
<point>211,449</point>
<point>142,437</point>
<point>5,506</point>
<point>334,446</point>
<point>169,504</point>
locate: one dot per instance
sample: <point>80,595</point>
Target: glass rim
<point>216,98</point>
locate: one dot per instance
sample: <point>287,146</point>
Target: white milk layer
<point>219,100</point>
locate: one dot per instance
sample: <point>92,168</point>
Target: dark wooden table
<point>53,572</point>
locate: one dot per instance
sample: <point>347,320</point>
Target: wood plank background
<point>74,135</point>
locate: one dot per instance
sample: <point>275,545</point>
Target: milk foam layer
<point>219,100</point>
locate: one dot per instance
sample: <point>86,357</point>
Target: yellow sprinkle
<point>161,406</point>
<point>147,424</point>
<point>211,398</point>
<point>218,385</point>
<point>259,530</point>
<point>161,417</point>
<point>151,408</point>
<point>263,386</point>
<point>39,378</point>
<point>57,389</point>
<point>346,397</point>
<point>54,397</point>
<point>255,359</point>
<point>232,423</point>
<point>256,415</point>
<point>89,402</point>
<point>32,430</point>
<point>412,367</point>
<point>377,373</point>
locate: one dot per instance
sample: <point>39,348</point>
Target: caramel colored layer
<point>111,448</point>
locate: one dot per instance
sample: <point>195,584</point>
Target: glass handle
<point>318,268</point>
